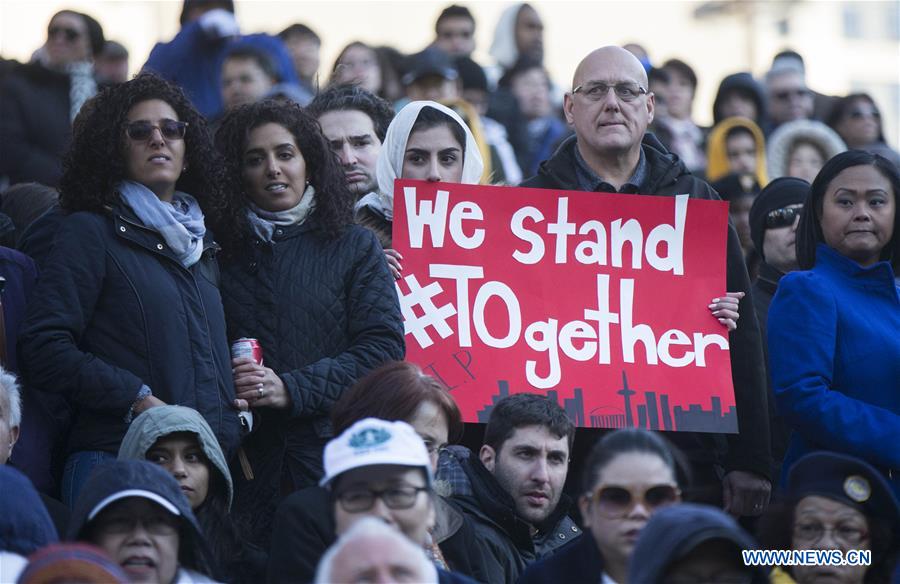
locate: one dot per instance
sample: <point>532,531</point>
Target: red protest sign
<point>597,300</point>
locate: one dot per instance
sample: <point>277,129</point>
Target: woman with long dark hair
<point>310,286</point>
<point>127,314</point>
<point>834,329</point>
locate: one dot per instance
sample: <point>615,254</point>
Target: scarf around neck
<point>180,223</point>
<point>82,86</point>
<point>263,222</point>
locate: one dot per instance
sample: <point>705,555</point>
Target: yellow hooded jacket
<point>718,158</point>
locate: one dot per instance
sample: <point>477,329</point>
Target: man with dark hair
<point>111,65</point>
<point>530,84</point>
<point>513,489</point>
<point>354,121</point>
<point>192,60</point>
<point>248,75</point>
<point>303,44</point>
<point>455,31</point>
<point>610,109</point>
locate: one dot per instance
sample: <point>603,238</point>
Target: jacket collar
<point>876,276</point>
<point>498,506</point>
<point>769,277</point>
<point>662,166</point>
<point>128,226</point>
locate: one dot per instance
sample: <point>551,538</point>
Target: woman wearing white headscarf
<point>426,141</point>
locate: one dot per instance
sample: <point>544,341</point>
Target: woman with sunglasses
<point>310,286</point>
<point>127,314</point>
<point>858,122</point>
<point>834,328</point>
<point>629,474</point>
<point>41,98</point>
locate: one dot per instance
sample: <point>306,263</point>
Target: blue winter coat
<point>114,310</point>
<point>834,350</point>
<point>193,60</point>
<point>325,313</point>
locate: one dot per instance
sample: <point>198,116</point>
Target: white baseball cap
<point>372,441</point>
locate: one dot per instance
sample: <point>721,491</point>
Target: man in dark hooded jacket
<point>610,109</point>
<point>512,488</point>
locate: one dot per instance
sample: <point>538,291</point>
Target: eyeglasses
<point>782,217</point>
<point>614,502</point>
<point>71,34</point>
<point>860,114</point>
<point>360,500</point>
<point>787,94</point>
<point>810,533</point>
<point>157,525</point>
<point>598,91</point>
<point>170,130</point>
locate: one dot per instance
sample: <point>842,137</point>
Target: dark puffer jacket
<point>34,124</point>
<point>114,310</point>
<point>325,313</point>
<point>667,177</point>
<point>506,541</point>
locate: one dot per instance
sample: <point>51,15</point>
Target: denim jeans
<point>78,468</point>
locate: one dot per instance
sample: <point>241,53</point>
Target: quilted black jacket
<point>325,313</point>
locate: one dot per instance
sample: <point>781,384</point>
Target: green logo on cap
<point>369,438</point>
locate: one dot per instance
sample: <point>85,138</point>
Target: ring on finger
<point>260,390</point>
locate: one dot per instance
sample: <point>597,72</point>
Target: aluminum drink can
<point>246,347</point>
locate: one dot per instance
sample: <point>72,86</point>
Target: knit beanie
<point>778,194</point>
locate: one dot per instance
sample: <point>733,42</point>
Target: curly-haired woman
<point>127,314</point>
<point>310,286</point>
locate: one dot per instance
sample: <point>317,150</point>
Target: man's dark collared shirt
<point>588,180</point>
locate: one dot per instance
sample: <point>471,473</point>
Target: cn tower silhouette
<point>627,393</point>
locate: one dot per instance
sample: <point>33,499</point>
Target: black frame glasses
<point>169,129</point>
<point>598,91</point>
<point>784,217</point>
<point>361,500</point>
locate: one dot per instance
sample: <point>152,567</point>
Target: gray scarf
<point>263,222</point>
<point>82,86</point>
<point>180,223</point>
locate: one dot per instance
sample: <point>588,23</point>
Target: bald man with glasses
<point>610,109</point>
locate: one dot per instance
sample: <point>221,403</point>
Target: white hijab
<point>504,49</point>
<point>390,160</point>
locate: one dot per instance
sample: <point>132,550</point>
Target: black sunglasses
<point>170,130</point>
<point>70,33</point>
<point>782,217</point>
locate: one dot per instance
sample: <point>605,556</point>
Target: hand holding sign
<point>573,294</point>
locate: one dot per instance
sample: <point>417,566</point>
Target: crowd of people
<point>229,191</point>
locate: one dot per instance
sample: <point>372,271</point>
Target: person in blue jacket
<point>834,329</point>
<point>127,313</point>
<point>193,59</point>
